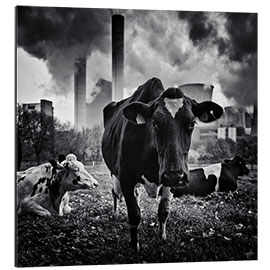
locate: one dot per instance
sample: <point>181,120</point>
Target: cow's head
<point>239,164</point>
<point>71,175</point>
<point>231,169</point>
<point>171,119</point>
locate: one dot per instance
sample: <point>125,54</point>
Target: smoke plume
<point>178,47</point>
<point>59,35</point>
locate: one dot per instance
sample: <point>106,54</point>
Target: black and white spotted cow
<point>217,177</point>
<point>43,189</point>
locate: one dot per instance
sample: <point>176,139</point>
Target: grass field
<point>219,227</point>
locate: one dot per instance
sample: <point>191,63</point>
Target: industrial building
<point>234,123</point>
<point>45,106</point>
<point>88,114</point>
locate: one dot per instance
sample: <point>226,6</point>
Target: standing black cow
<point>148,135</point>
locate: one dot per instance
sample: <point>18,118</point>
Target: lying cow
<point>149,134</point>
<point>42,189</point>
<point>217,177</point>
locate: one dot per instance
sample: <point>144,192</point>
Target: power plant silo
<point>117,57</point>
<point>198,91</point>
<point>80,92</point>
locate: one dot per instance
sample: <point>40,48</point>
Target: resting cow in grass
<point>148,135</point>
<point>216,177</point>
<point>43,189</point>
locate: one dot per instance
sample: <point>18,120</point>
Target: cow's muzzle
<point>174,178</point>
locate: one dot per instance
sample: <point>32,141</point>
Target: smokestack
<point>254,127</point>
<point>117,57</point>
<point>80,92</point>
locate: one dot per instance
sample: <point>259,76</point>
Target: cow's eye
<point>155,125</point>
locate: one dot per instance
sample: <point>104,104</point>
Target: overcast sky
<point>177,47</point>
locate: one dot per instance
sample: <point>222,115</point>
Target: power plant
<point>87,114</point>
<point>117,57</point>
<point>80,93</point>
<point>234,123</point>
<point>198,91</point>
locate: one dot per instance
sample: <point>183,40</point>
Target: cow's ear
<point>207,111</point>
<point>138,112</point>
<point>56,165</point>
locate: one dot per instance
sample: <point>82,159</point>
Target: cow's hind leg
<point>134,215</point>
<point>164,210</point>
<point>117,194</point>
<point>31,206</point>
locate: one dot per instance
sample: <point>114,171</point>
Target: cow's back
<point>117,126</point>
<point>33,181</point>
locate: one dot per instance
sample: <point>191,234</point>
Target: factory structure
<point>234,123</point>
<point>88,114</point>
<point>44,106</point>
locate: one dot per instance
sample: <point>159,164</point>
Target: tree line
<point>217,150</point>
<point>41,137</point>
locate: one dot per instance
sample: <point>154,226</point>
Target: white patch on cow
<point>166,193</point>
<point>151,188</point>
<point>173,105</point>
<point>71,157</point>
<point>140,119</point>
<point>214,169</point>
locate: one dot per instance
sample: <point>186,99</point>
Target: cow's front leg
<point>64,207</point>
<point>133,210</point>
<point>164,210</point>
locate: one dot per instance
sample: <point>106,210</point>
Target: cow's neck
<point>233,170</point>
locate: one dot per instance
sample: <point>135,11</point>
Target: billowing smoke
<point>178,47</point>
<point>59,35</point>
<point>236,45</point>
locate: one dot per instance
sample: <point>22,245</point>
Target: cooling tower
<point>117,57</point>
<point>198,91</point>
<point>80,92</point>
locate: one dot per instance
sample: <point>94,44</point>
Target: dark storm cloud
<point>200,28</point>
<point>237,43</point>
<point>242,28</point>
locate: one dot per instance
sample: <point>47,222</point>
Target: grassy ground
<point>219,227</point>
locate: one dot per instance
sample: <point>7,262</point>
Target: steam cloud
<point>178,47</point>
<point>59,35</point>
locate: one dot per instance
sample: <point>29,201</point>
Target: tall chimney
<point>80,92</point>
<point>117,57</point>
<point>254,123</point>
